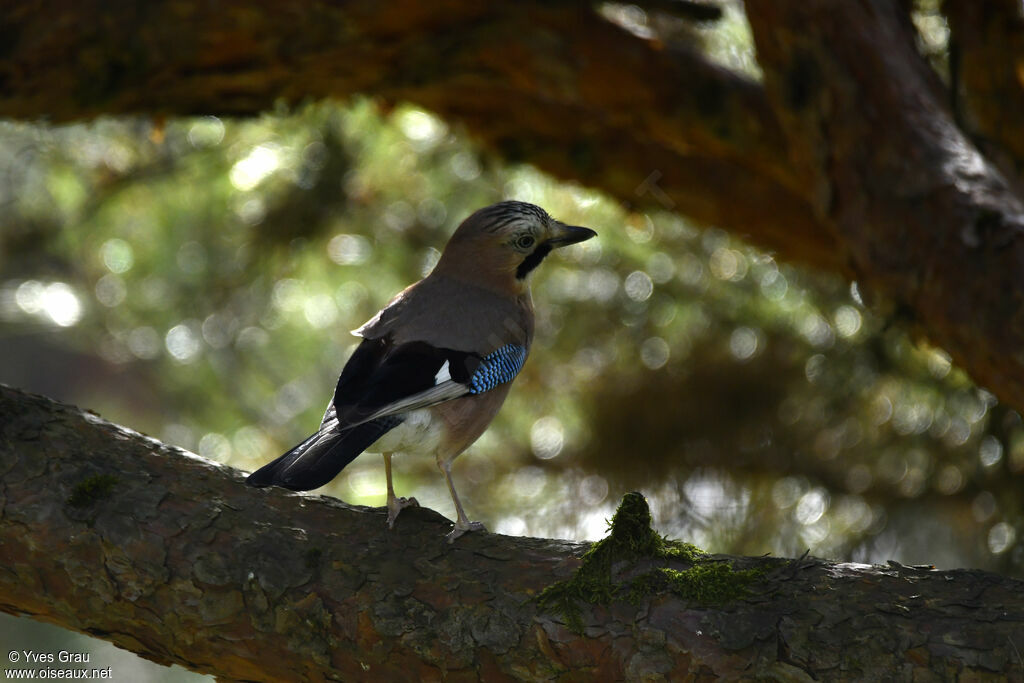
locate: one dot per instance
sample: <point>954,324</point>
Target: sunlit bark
<point>987,73</point>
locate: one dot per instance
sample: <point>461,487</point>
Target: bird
<point>436,363</point>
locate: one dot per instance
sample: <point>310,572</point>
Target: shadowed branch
<point>171,556</point>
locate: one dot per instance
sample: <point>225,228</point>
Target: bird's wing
<point>451,314</point>
<point>380,324</point>
<point>381,380</point>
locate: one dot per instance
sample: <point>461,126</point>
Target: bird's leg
<point>395,504</point>
<point>462,523</point>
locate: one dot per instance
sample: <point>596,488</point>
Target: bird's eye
<point>525,242</point>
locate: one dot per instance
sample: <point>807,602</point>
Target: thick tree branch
<point>554,84</point>
<point>111,533</point>
<point>925,219</point>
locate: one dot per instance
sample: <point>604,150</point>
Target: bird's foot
<point>462,527</point>
<point>396,505</point>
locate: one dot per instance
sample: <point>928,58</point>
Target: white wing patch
<point>439,393</point>
<point>443,375</point>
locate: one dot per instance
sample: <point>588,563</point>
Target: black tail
<point>318,459</point>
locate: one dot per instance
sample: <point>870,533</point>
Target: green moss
<point>707,582</point>
<point>91,489</point>
<point>631,539</point>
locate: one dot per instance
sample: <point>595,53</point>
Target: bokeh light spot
<point>56,301</point>
<point>350,297</point>
<point>61,304</point>
<point>774,285</point>
<point>422,128</point>
<point>640,229</point>
<point>464,165</point>
<point>654,352</point>
<point>593,489</point>
<point>251,211</point>
<point>724,264</point>
<point>117,255</point>
<point>528,481</point>
<point>638,286</point>
<point>661,267</point>
<point>949,480</point>
<point>816,330</point>
<point>399,215</point>
<point>990,453</point>
<point>320,310</point>
<point>602,284</point>
<point>848,321</point>
<point>251,170</point>
<point>182,343</point>
<point>811,507</point>
<point>1001,537</point>
<point>215,447</point>
<point>111,290</point>
<point>206,132</point>
<point>29,296</point>
<point>691,271</point>
<point>144,342</point>
<point>786,492</point>
<point>218,329</point>
<point>251,442</point>
<point>288,294</point>
<point>511,526</point>
<point>547,437</point>
<point>743,343</point>
<point>432,212</point>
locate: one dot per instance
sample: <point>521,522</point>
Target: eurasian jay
<point>436,363</point>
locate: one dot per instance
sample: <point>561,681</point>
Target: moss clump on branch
<point>632,539</point>
<point>91,489</point>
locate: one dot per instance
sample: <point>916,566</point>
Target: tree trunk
<point>171,556</point>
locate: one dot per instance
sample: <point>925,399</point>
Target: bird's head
<point>500,245</point>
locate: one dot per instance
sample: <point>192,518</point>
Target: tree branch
<point>553,84</point>
<point>171,556</point>
<point>925,219</point>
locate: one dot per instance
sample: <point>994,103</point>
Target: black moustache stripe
<point>533,260</point>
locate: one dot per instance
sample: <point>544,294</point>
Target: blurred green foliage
<point>196,281</point>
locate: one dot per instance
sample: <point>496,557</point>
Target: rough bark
<point>111,533</point>
<point>924,218</point>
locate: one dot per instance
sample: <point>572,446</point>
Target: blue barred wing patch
<point>497,368</point>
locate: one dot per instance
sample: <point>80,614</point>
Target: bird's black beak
<point>564,235</point>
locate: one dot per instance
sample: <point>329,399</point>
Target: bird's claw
<point>462,527</point>
<point>396,505</point>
